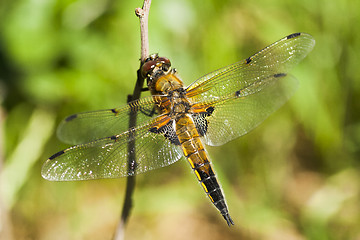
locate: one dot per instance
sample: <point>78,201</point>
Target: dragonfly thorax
<point>179,101</point>
<point>180,107</point>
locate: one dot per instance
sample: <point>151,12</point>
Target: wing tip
<point>304,35</point>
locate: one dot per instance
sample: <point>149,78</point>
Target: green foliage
<point>297,176</point>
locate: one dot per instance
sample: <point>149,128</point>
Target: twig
<point>143,14</point>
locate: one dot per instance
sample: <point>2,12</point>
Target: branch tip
<point>139,12</point>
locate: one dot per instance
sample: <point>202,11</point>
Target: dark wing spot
<point>293,35</point>
<point>248,60</point>
<point>277,75</point>
<point>210,110</point>
<point>115,137</point>
<point>114,111</point>
<point>201,123</point>
<point>168,131</point>
<point>154,130</point>
<point>57,155</point>
<point>71,117</point>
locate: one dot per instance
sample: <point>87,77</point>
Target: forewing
<point>108,157</point>
<point>236,114</point>
<point>89,126</point>
<point>277,58</point>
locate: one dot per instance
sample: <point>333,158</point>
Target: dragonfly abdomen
<point>195,153</point>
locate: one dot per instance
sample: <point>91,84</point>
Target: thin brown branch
<point>143,14</point>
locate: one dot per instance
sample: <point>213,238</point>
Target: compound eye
<point>165,63</point>
<point>165,68</point>
<point>147,67</point>
<point>164,60</point>
<point>155,63</point>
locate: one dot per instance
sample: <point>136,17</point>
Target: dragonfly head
<point>154,67</point>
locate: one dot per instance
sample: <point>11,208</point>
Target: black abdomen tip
<point>228,219</point>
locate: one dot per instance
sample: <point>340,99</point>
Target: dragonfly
<point>177,121</point>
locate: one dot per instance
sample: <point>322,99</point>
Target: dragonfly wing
<point>236,114</point>
<point>277,58</point>
<point>88,126</point>
<point>108,157</point>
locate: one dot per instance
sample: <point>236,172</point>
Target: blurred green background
<point>297,176</point>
